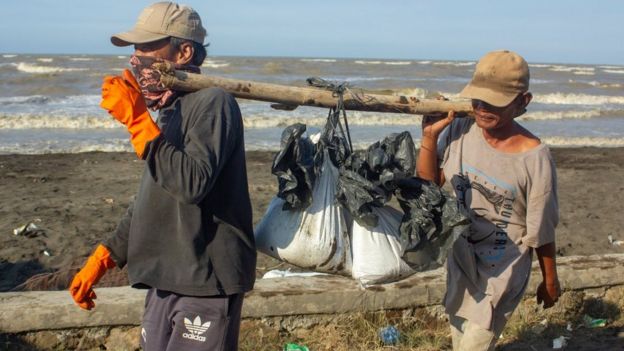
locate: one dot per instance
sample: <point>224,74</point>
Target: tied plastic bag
<point>294,167</point>
<point>315,238</point>
<point>377,251</point>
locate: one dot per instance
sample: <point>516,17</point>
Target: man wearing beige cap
<point>188,236</point>
<point>504,177</point>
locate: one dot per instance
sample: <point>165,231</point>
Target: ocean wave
<point>391,63</point>
<point>398,63</point>
<point>583,141</point>
<point>611,67</point>
<point>355,118</point>
<point>572,69</point>
<point>122,57</point>
<point>9,55</point>
<point>596,84</point>
<point>62,146</point>
<point>453,63</point>
<point>614,71</point>
<point>583,73</point>
<point>56,121</point>
<point>34,69</point>
<point>424,62</point>
<point>45,59</point>
<point>318,60</point>
<point>554,115</point>
<point>81,59</point>
<point>24,100</point>
<point>215,64</point>
<point>577,99</point>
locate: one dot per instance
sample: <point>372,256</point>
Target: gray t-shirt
<point>512,201</point>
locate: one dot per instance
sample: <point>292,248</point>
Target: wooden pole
<point>289,97</point>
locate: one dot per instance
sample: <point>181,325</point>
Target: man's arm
<point>189,173</point>
<point>427,163</point>
<point>549,290</point>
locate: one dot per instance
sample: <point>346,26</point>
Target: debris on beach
<point>560,342</point>
<point>29,230</point>
<point>277,273</point>
<point>615,242</point>
<point>295,347</point>
<point>389,335</point>
<point>592,322</point>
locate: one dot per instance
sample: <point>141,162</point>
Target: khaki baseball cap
<point>162,20</point>
<point>498,79</point>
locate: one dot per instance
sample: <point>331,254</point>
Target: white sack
<point>316,238</point>
<point>377,251</point>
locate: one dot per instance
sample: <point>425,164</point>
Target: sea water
<point>49,103</point>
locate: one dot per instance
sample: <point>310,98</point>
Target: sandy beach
<point>77,199</point>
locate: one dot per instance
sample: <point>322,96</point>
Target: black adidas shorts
<point>177,322</point>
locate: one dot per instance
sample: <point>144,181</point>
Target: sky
<point>549,31</point>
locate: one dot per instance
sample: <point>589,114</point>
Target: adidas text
<point>194,337</point>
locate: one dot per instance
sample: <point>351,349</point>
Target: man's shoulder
<point>212,94</point>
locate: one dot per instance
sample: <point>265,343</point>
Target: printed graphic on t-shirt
<point>490,203</point>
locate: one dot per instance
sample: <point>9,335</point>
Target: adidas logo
<point>196,329</point>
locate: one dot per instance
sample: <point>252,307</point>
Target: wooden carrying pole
<point>289,97</point>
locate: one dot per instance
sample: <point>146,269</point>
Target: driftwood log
<point>289,97</point>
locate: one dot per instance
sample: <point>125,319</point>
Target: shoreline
<point>78,199</point>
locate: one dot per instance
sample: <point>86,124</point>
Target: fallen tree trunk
<point>289,97</point>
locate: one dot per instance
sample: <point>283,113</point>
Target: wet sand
<point>77,200</point>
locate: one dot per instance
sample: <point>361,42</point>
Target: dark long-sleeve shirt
<point>189,230</point>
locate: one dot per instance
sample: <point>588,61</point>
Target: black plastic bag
<point>368,178</point>
<point>431,223</point>
<point>294,167</point>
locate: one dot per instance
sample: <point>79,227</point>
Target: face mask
<point>156,95</point>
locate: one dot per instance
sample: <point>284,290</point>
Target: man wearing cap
<point>504,177</point>
<point>188,237</point>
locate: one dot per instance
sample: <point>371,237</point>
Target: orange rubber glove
<point>122,98</point>
<point>81,288</point>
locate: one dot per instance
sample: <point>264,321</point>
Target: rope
<point>338,90</point>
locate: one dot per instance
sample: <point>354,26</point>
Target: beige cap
<point>162,20</point>
<point>498,79</point>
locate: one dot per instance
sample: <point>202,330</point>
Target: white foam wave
<point>556,115</point>
<point>424,62</point>
<point>81,59</point>
<point>614,71</point>
<point>578,99</point>
<point>539,65</point>
<point>611,67</point>
<point>583,73</point>
<point>573,69</point>
<point>215,64</point>
<point>318,60</point>
<point>360,62</point>
<point>73,147</point>
<point>33,121</point>
<point>9,55</point>
<point>583,141</point>
<point>45,59</point>
<point>122,57</point>
<point>356,118</point>
<point>418,92</point>
<point>34,69</point>
<point>399,63</point>
<point>453,63</point>
<point>594,83</point>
